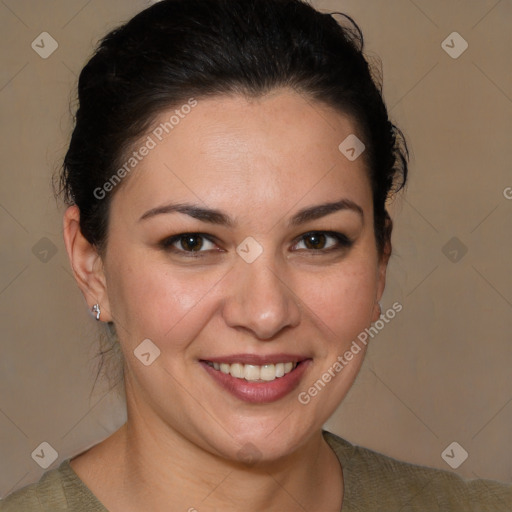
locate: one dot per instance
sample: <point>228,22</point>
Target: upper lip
<point>256,359</point>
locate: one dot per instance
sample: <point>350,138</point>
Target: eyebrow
<point>321,210</point>
<point>214,216</point>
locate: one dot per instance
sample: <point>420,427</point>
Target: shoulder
<point>374,481</point>
<point>58,490</point>
<point>34,497</point>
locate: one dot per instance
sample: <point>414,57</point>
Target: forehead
<point>229,151</point>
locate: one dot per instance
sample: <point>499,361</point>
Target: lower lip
<point>259,392</point>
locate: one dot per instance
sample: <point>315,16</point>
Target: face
<point>221,253</point>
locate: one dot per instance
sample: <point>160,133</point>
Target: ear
<point>382,266</point>
<point>86,264</point>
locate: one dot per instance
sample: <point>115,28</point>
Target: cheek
<point>341,302</point>
<point>172,305</point>
<point>159,303</point>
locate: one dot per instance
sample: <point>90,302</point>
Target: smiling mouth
<point>254,373</point>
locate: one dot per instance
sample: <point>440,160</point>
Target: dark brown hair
<point>181,49</point>
<point>177,49</point>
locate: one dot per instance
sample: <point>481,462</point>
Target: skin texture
<point>259,161</point>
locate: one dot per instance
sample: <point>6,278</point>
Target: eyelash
<point>343,242</point>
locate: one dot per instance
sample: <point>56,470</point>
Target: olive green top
<point>373,483</point>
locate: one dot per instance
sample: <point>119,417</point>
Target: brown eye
<point>315,240</point>
<point>324,241</point>
<point>188,243</point>
<point>191,242</point>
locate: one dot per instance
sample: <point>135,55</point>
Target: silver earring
<point>380,309</point>
<point>96,310</point>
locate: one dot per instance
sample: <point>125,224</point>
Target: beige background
<point>439,372</point>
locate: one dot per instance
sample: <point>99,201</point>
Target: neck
<point>166,472</point>
<point>147,465</point>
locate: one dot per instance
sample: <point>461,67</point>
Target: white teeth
<point>237,370</point>
<point>268,372</point>
<point>252,372</point>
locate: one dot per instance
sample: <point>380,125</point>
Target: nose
<point>261,301</point>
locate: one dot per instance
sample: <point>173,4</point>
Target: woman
<point>227,178</point>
